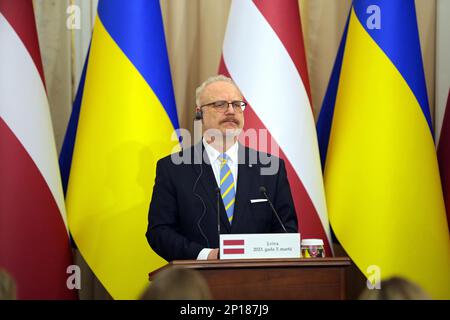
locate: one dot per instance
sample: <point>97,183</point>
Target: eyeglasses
<point>222,105</point>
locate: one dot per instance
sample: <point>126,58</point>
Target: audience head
<point>395,288</point>
<point>7,286</point>
<point>176,283</point>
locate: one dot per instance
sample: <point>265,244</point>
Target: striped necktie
<point>227,186</point>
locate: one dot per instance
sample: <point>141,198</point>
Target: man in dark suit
<point>217,179</point>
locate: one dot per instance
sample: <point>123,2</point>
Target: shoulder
<point>267,163</point>
<point>184,156</point>
<point>253,156</point>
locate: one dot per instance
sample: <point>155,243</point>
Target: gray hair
<point>212,79</point>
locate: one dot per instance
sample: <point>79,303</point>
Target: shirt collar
<point>213,154</point>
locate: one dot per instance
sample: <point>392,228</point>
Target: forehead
<point>221,89</point>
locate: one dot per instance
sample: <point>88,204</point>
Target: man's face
<point>229,121</point>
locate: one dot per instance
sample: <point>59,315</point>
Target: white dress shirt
<point>213,156</point>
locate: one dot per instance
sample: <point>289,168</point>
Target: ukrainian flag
<point>125,124</point>
<point>381,173</point>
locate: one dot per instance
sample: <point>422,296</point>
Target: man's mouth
<point>231,120</point>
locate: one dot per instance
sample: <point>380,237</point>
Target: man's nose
<point>230,108</point>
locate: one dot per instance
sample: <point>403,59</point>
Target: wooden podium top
<point>257,263</point>
<point>268,279</point>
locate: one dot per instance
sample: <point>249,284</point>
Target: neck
<point>221,143</point>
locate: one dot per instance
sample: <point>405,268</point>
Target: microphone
<point>218,218</point>
<point>263,190</point>
<point>218,211</point>
<point>201,199</point>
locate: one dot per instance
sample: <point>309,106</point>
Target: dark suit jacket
<point>183,210</point>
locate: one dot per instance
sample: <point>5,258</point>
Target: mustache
<point>236,121</point>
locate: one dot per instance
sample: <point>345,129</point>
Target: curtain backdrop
<point>194,34</point>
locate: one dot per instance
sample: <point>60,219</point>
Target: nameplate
<point>260,246</point>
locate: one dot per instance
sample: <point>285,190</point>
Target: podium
<point>273,279</point>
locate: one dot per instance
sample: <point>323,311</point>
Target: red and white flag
<point>442,114</point>
<point>233,246</point>
<point>263,52</point>
<point>34,241</point>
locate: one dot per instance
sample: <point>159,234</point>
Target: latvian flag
<point>233,247</point>
<point>263,53</point>
<point>34,242</point>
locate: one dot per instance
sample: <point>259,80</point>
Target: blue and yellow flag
<point>125,123</point>
<point>381,173</point>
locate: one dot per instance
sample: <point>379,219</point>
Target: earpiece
<point>199,115</point>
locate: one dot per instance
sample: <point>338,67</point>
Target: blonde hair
<point>212,79</point>
<point>396,288</point>
<point>176,283</point>
<point>7,286</point>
